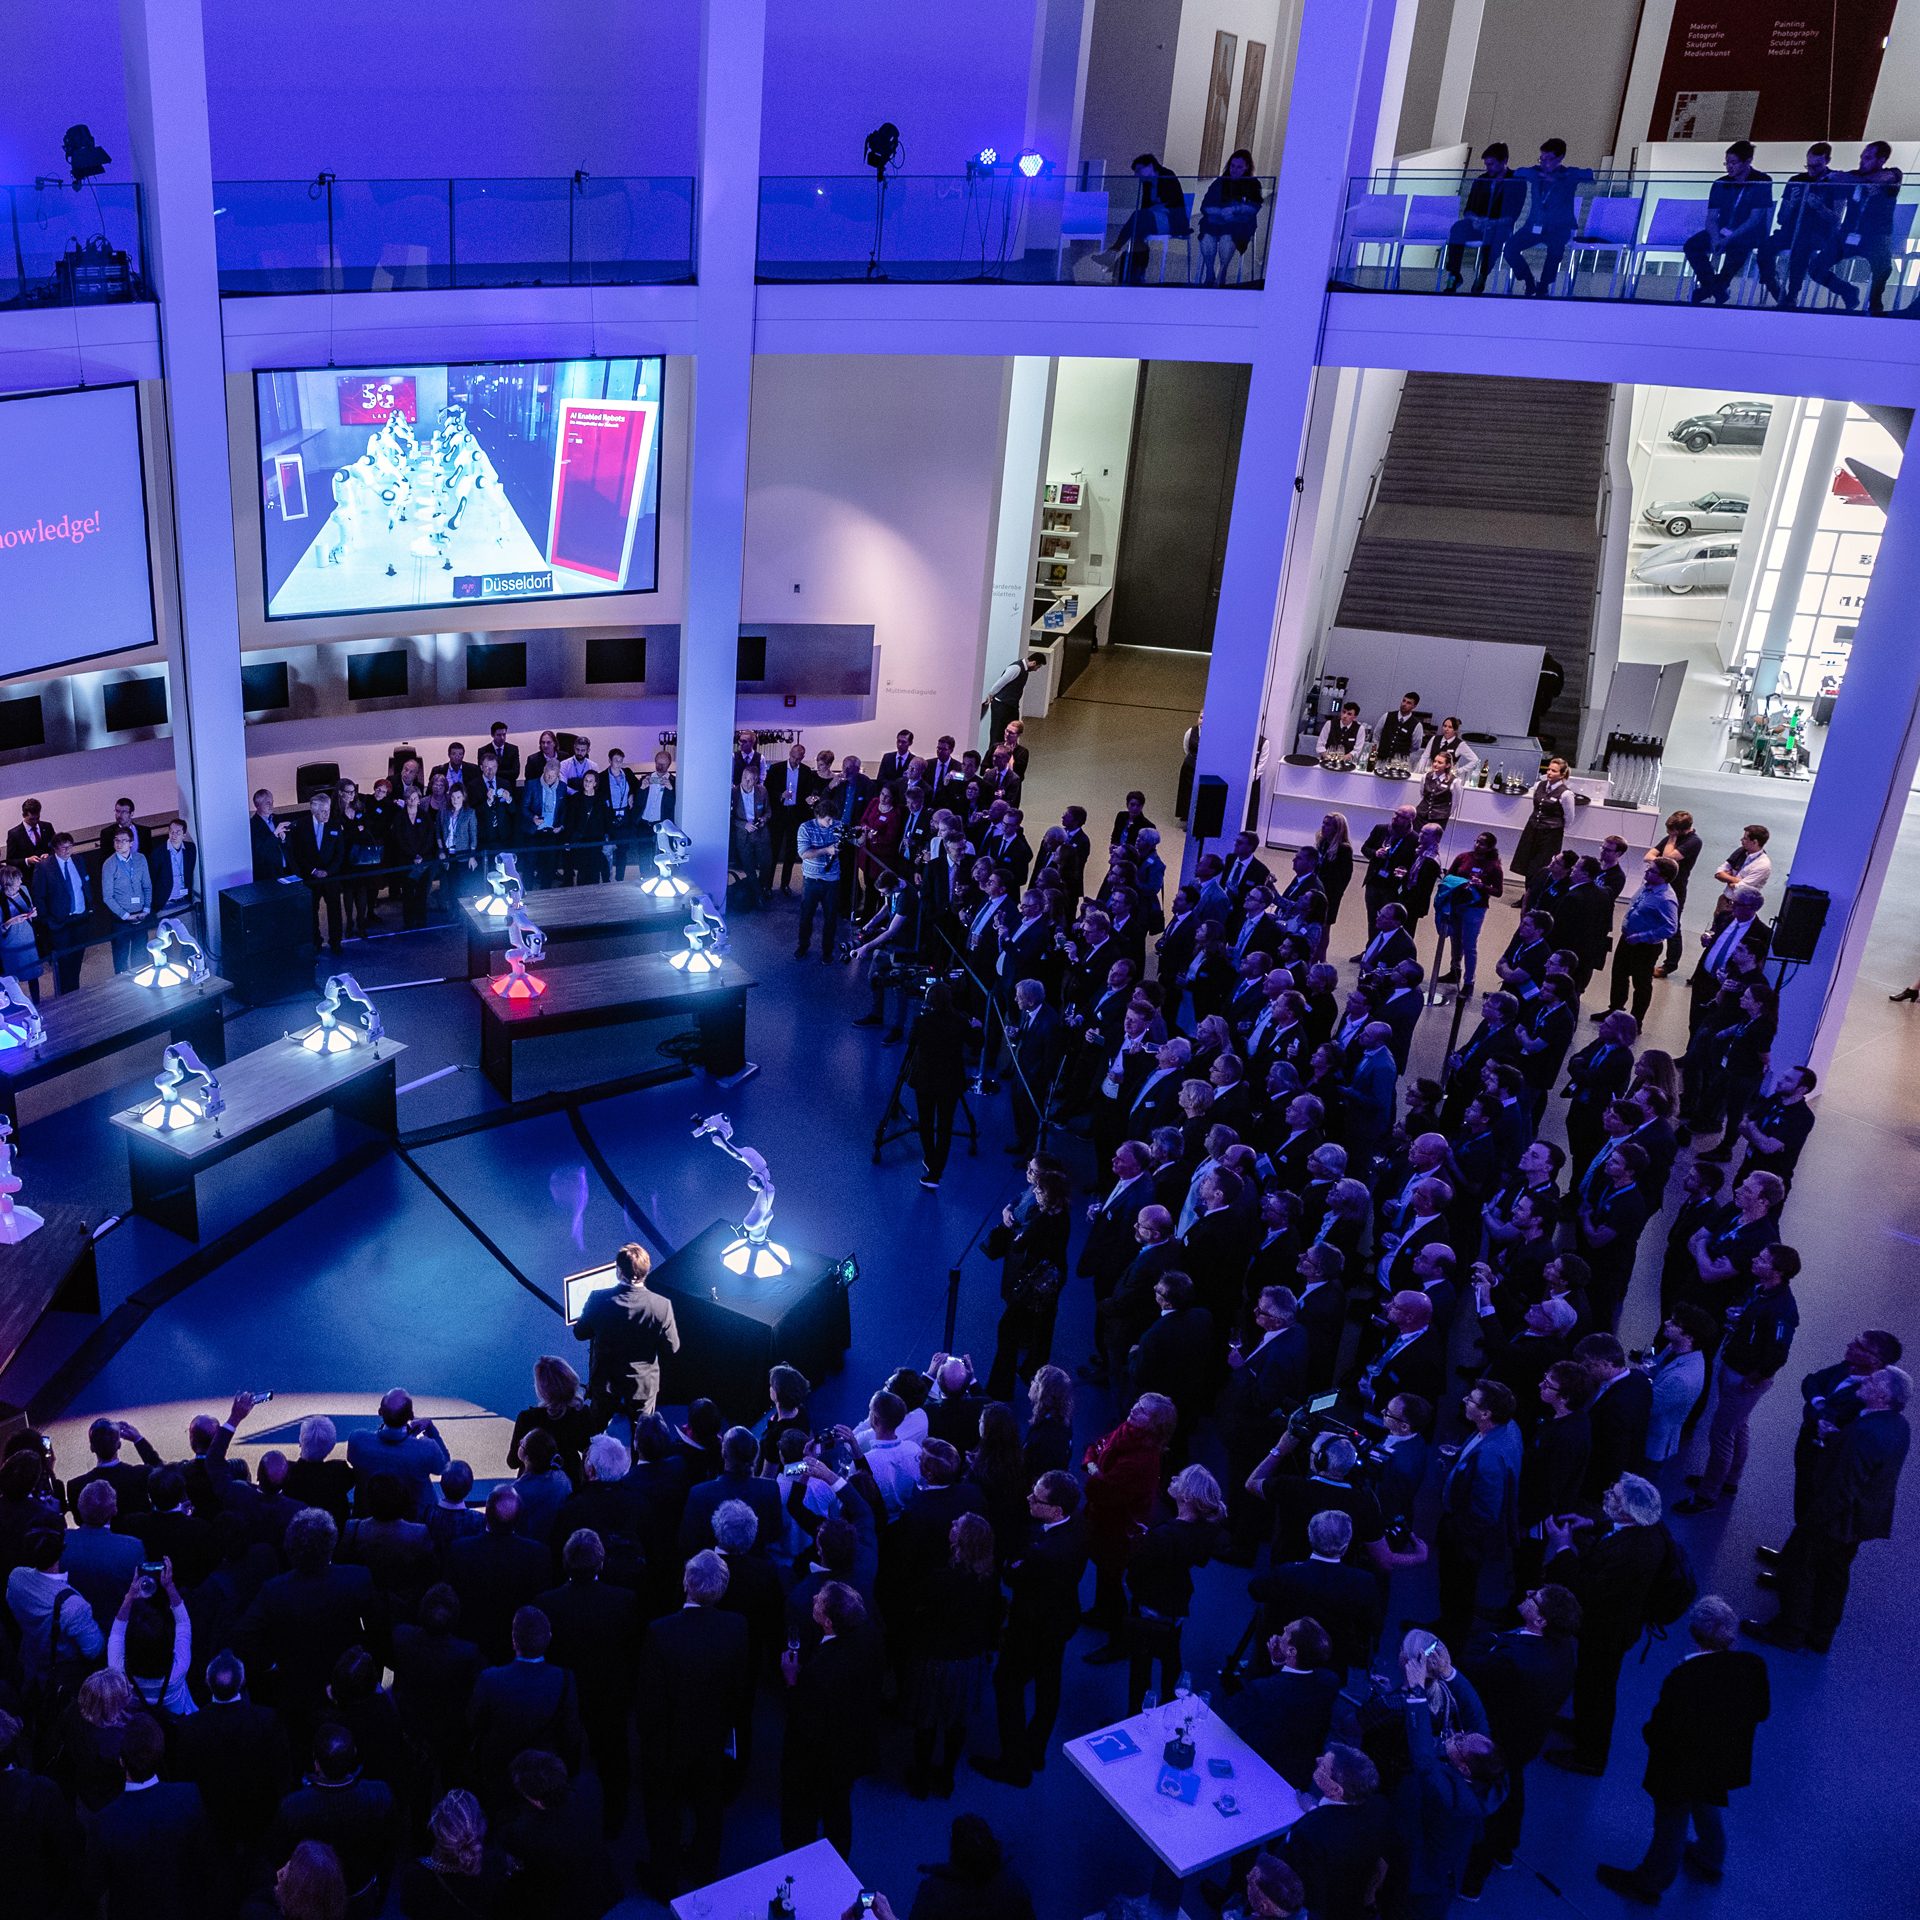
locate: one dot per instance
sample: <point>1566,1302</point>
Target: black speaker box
<point>1802,919</point>
<point>1209,807</point>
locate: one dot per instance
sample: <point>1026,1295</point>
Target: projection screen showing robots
<point>428,486</point>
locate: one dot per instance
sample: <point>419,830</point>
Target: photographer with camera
<point>153,1655</point>
<point>888,940</point>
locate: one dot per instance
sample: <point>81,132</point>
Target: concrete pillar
<point>166,73</point>
<point>1823,450</point>
<point>1057,82</point>
<point>732,57</point>
<point>1330,114</point>
<point>1016,540</point>
<point>1456,72</point>
<point>1854,812</point>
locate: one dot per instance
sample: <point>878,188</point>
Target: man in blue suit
<point>1479,1501</point>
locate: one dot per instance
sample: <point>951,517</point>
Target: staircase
<point>1485,523</point>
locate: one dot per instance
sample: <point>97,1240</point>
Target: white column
<point>1822,452</point>
<point>1017,532</point>
<point>1456,72</point>
<point>1854,812</point>
<point>1057,81</point>
<point>1328,115</point>
<point>732,55</point>
<point>166,73</point>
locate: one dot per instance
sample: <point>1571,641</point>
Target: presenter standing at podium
<point>632,1329</point>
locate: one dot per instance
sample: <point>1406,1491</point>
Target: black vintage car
<point>1739,423</point>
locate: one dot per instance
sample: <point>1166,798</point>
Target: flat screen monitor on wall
<point>495,666</point>
<point>135,703</point>
<point>22,724</point>
<point>264,688</point>
<point>392,488</point>
<point>612,658</point>
<point>73,529</point>
<point>376,676</point>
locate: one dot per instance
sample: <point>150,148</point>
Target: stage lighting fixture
<point>1032,164</point>
<point>883,147</point>
<point>86,157</point>
<point>983,162</point>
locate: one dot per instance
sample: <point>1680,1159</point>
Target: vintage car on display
<point>1737,423</point>
<point>1710,513</point>
<point>1682,566</point>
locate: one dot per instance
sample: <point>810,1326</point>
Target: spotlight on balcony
<point>1033,164</point>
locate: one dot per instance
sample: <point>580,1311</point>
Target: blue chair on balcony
<point>1673,224</point>
<point>1083,221</point>
<point>1430,222</point>
<point>1611,225</point>
<point>1374,220</point>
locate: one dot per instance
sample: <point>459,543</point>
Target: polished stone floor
<point>384,1282</point>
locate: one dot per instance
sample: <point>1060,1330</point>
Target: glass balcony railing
<point>64,248</point>
<point>1835,247</point>
<point>1004,228</point>
<point>375,236</point>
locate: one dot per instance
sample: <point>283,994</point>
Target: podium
<point>733,1328</point>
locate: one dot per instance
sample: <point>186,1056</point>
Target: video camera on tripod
<point>1315,1418</point>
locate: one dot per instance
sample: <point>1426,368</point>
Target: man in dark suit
<point>127,1479</point>
<point>736,1480</point>
<point>1034,1037</point>
<point>497,1572</point>
<point>632,1329</point>
<point>268,838</point>
<point>596,1637</point>
<point>316,851</point>
<point>1128,1311</point>
<point>524,1703</point>
<point>697,1682</point>
<point>1284,1715</point>
<point>1479,1508</point>
<point>1743,927</point>
<point>150,1855</point>
<point>1176,1354</point>
<point>790,790</point>
<point>1412,1361</point>
<point>1849,1499</point>
<point>1346,1600</point>
<point>1617,1415</point>
<point>1523,1679</point>
<point>833,1721</point>
<point>1337,1848</point>
<point>1042,1617</point>
<point>1699,1749</point>
<point>1263,1386</point>
<point>173,863</point>
<point>301,1621</point>
<point>236,1753</point>
<point>338,1806</point>
<point>67,901</point>
<point>1245,869</point>
<point>555,1834</point>
<point>31,841</point>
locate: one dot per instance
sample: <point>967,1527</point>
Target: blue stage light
<point>1033,164</point>
<point>987,157</point>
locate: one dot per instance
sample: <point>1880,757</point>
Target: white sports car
<point>1681,566</point>
<point>1710,513</point>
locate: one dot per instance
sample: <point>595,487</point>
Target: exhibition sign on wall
<point>73,529</point>
<point>1760,70</point>
<point>429,486</point>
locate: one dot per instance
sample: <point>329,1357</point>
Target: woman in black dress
<point>1032,1250</point>
<point>415,849</point>
<point>998,1468</point>
<point>1333,848</point>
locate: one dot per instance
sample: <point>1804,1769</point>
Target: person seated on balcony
<point>1162,210</point>
<point>1813,209</point>
<point>1229,216</point>
<point>1553,190</point>
<point>1868,231</point>
<point>1486,221</point>
<point>1739,209</point>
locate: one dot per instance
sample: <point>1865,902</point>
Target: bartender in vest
<point>1447,738</point>
<point>1344,738</point>
<point>1399,734</point>
<point>1548,819</point>
<point>1434,808</point>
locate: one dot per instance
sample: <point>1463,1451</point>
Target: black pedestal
<point>266,940</point>
<point>733,1328</point>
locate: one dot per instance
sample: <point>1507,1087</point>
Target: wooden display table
<point>51,1268</point>
<point>96,1021</point>
<point>617,993</point>
<point>613,911</point>
<point>824,1887</point>
<point>266,1092</point>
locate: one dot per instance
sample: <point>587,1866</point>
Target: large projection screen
<point>74,580</point>
<point>385,489</point>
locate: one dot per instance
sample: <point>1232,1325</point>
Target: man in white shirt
<point>1748,865</point>
<point>37,1590</point>
<point>893,1462</point>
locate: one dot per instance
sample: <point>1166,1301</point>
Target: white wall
<point>1549,67</point>
<point>1895,113</point>
<point>1262,20</point>
<point>1030,395</point>
<point>1092,437</point>
<point>62,64</point>
<point>873,496</point>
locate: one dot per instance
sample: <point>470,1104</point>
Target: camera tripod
<point>896,1123</point>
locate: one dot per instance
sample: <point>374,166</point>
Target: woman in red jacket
<point>1123,1484</point>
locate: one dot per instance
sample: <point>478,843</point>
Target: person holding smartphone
<point>154,1657</point>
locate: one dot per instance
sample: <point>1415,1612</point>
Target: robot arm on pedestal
<point>188,1091</point>
<point>18,1013</point>
<point>333,1035</point>
<point>719,1129</point>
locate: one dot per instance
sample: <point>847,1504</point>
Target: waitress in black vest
<point>1548,822</point>
<point>1434,808</point>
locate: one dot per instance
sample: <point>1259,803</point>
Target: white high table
<point>1298,797</point>
<point>824,1887</point>
<point>1185,1839</point>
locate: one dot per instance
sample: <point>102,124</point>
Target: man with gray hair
<point>1699,1749</point>
<point>1848,1498</point>
<point>696,1677</point>
<point>1739,926</point>
<point>98,1562</point>
<point>1346,1600</point>
<point>1614,1574</point>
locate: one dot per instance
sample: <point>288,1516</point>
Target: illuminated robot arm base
<point>671,849</point>
<point>15,1222</point>
<point>174,958</point>
<point>361,1028</point>
<point>750,1254</point>
<point>188,1092</point>
<point>705,934</point>
<point>20,1022</point>
<point>503,888</point>
<point>526,947</point>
